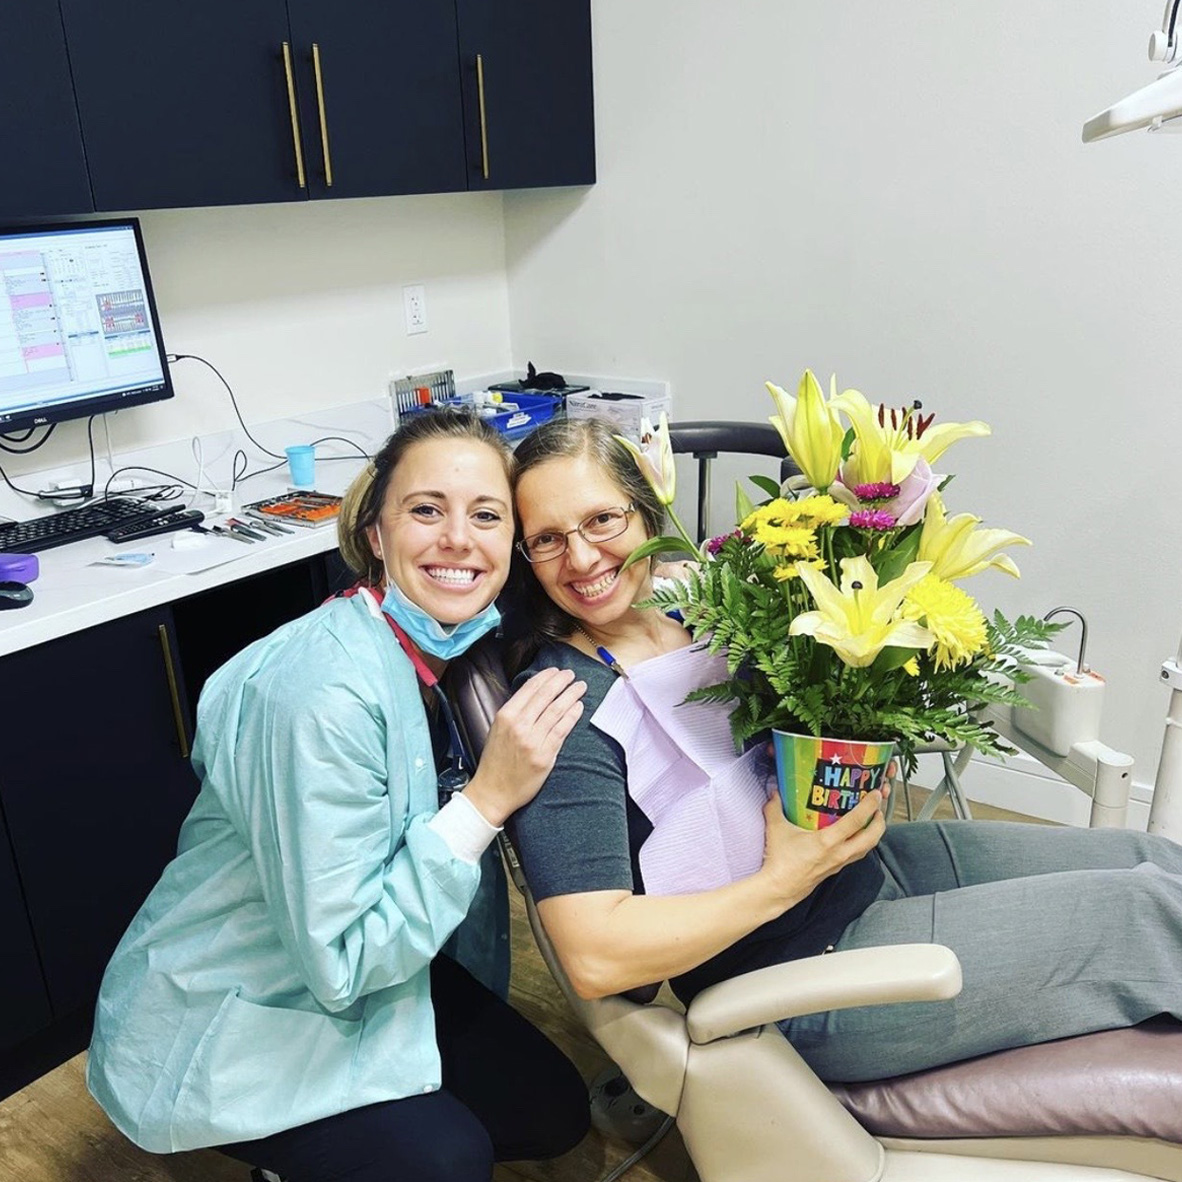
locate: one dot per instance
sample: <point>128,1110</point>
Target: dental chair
<point>706,439</point>
<point>1103,1107</point>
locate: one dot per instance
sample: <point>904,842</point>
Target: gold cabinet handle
<point>174,692</point>
<point>483,115</point>
<point>323,121</point>
<point>295,122</point>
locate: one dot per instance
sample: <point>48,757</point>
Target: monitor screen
<point>78,327</point>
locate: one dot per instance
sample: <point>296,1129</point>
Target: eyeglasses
<point>599,527</point>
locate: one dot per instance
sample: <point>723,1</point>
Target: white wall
<point>300,306</point>
<point>899,193</point>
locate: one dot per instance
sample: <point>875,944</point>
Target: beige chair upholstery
<point>1106,1106</point>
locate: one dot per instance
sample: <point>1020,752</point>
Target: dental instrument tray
<point>309,509</point>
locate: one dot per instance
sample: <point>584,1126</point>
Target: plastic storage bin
<point>532,410</point>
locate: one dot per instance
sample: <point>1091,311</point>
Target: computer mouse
<point>15,595</point>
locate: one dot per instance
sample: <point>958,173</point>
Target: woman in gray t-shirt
<point>1059,931</point>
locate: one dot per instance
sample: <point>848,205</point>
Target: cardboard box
<point>624,410</point>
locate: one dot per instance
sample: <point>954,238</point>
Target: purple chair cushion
<point>1115,1082</point>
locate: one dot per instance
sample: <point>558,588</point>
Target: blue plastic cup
<point>301,461</point>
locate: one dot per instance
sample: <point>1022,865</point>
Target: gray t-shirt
<point>583,832</point>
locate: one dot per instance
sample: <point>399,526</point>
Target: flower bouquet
<point>838,601</point>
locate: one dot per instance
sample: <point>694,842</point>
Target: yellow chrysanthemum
<point>786,541</point>
<point>911,667</point>
<point>791,570</point>
<point>822,510</point>
<point>777,511</point>
<point>951,615</point>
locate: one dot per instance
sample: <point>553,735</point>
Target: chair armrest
<point>835,981</point>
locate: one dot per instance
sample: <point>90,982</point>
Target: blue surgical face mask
<point>444,641</point>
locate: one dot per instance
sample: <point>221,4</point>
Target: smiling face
<point>586,581</point>
<point>446,527</point>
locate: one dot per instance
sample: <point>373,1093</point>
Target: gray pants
<point>1059,932</point>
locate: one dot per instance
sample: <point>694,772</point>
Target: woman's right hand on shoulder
<point>797,860</point>
<point>524,742</point>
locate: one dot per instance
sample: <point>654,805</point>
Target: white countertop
<point>71,593</point>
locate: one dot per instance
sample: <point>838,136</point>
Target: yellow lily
<point>861,619</point>
<point>654,457</point>
<point>811,430</point>
<point>888,451</point>
<point>956,548</point>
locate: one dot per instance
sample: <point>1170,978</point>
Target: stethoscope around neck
<point>455,775</point>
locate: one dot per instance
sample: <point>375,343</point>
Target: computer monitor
<point>78,328</point>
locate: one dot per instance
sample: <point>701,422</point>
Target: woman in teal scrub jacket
<point>281,994</point>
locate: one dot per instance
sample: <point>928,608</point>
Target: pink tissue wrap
<point>704,801</point>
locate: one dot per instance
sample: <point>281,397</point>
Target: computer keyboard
<point>72,525</point>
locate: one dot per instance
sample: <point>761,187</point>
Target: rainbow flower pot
<point>821,779</point>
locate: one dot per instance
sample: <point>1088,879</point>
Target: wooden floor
<point>53,1132</point>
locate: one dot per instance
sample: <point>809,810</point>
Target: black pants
<point>508,1094</point>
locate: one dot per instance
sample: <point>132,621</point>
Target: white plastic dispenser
<point>1067,698</point>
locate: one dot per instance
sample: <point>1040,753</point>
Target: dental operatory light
<point>1158,106</point>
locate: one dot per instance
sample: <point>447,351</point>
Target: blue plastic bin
<point>533,410</point>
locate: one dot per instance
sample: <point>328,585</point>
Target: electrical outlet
<point>414,304</point>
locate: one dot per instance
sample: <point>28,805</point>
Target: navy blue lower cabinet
<point>96,788</point>
<point>24,1002</point>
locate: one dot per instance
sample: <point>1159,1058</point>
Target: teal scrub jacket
<point>277,972</point>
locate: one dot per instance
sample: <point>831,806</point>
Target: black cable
<point>238,468</point>
<point>81,492</point>
<point>90,443</point>
<point>341,439</point>
<point>242,478</point>
<point>173,357</point>
<point>165,492</point>
<point>24,451</point>
<point>241,462</point>
<point>25,492</point>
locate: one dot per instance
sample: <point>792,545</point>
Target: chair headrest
<point>479,687</point>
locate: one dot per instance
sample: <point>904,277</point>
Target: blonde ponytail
<point>352,536</point>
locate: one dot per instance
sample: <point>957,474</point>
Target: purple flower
<point>881,491</point>
<point>715,544</point>
<point>872,518</point>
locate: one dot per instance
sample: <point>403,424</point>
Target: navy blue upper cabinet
<point>528,106</point>
<point>379,96</point>
<point>44,168</point>
<point>217,102</point>
<point>185,103</point>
